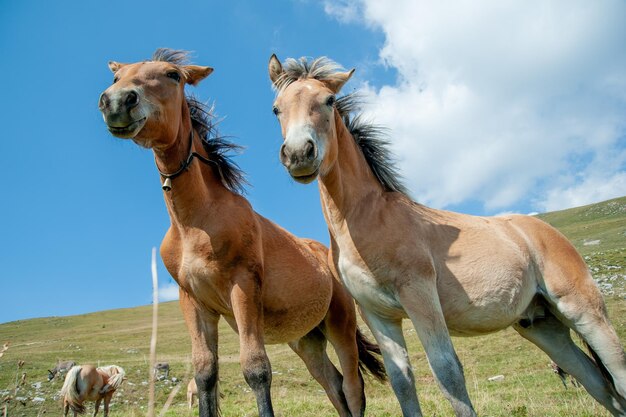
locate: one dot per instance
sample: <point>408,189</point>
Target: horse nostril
<point>310,150</point>
<point>132,99</point>
<point>103,102</point>
<point>283,154</point>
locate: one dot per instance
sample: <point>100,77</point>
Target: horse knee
<point>206,380</point>
<point>257,371</point>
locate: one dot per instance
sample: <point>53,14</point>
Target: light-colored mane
<point>321,68</point>
<point>116,376</point>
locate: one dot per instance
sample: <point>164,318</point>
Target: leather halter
<point>167,184</point>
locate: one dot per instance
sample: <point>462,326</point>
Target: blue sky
<point>491,108</point>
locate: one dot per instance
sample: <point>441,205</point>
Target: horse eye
<point>275,110</point>
<point>115,79</point>
<point>330,101</point>
<point>173,75</point>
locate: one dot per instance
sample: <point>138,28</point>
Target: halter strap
<point>167,184</point>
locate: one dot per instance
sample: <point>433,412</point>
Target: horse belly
<point>475,304</point>
<point>292,311</point>
<point>299,307</point>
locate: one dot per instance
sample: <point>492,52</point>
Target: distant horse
<point>87,383</point>
<point>269,285</point>
<point>192,391</point>
<point>162,367</point>
<point>60,367</point>
<point>449,273</point>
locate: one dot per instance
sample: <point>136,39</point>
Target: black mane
<point>372,139</point>
<point>217,147</point>
<point>203,121</point>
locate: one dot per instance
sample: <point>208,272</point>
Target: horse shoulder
<point>171,251</point>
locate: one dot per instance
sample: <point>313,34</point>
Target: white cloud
<point>168,292</point>
<point>508,103</point>
<point>586,191</point>
<point>345,11</point>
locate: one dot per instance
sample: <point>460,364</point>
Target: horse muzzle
<point>122,113</point>
<point>302,161</point>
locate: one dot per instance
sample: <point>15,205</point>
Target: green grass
<point>602,223</point>
<point>122,337</point>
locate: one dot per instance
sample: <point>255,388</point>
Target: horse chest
<point>205,279</point>
<point>370,291</point>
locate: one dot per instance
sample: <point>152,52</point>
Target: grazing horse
<point>87,383</point>
<point>449,273</point>
<point>162,367</point>
<point>60,367</point>
<point>229,261</point>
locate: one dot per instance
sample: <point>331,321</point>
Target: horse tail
<point>70,391</point>
<point>368,363</point>
<point>116,377</point>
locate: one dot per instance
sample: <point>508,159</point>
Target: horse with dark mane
<point>269,285</point>
<point>449,273</point>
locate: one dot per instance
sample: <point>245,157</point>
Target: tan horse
<point>87,383</point>
<point>192,392</point>
<point>449,273</point>
<point>270,286</point>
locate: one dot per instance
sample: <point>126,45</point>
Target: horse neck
<point>350,183</point>
<point>197,188</point>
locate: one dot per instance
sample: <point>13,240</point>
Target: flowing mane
<point>372,139</point>
<point>204,122</point>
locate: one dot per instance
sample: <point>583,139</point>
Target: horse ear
<point>196,73</point>
<point>115,66</point>
<point>275,69</point>
<point>338,80</point>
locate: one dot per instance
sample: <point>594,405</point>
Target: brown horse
<point>87,383</point>
<point>270,286</point>
<point>449,273</point>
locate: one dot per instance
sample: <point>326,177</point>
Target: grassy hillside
<point>597,227</point>
<point>122,337</point>
<point>599,233</point>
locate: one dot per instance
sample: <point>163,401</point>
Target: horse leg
<point>594,327</point>
<point>190,400</point>
<point>248,312</point>
<point>553,337</point>
<point>202,327</point>
<point>97,407</point>
<point>66,408</point>
<point>107,401</point>
<point>312,350</point>
<point>388,335</point>
<point>340,329</point>
<point>421,302</point>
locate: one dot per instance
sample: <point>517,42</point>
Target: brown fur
<point>450,273</point>
<point>269,285</point>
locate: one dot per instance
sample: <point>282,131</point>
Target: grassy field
<point>122,337</point>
